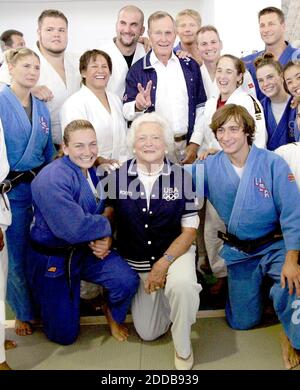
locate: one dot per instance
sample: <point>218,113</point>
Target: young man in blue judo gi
<point>255,194</point>
<point>71,240</point>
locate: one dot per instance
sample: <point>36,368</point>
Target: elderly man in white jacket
<point>5,221</point>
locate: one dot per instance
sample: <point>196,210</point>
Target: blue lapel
<point>279,133</point>
<point>242,190</point>
<point>86,197</point>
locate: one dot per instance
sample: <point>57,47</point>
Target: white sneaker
<point>184,364</point>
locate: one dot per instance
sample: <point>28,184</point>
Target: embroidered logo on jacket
<point>291,177</point>
<point>262,187</point>
<point>125,193</point>
<point>44,125</point>
<point>170,193</point>
<point>186,60</point>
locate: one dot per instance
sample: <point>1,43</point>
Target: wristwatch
<point>170,258</point>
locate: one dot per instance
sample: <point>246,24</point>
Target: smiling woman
<point>157,219</point>
<point>27,131</point>
<point>67,249</point>
<point>80,144</point>
<point>99,106</point>
<point>279,114</point>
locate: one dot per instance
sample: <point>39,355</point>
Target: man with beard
<point>124,49</point>
<point>59,74</point>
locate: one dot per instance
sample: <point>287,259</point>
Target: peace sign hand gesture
<point>143,98</point>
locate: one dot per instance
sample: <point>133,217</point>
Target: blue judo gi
<point>285,57</point>
<point>67,215</point>
<point>251,207</point>
<point>29,145</point>
<point>283,132</point>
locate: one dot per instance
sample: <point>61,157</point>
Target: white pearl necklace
<point>155,173</point>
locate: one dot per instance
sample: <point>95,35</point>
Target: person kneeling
<point>71,240</point>
<point>157,218</point>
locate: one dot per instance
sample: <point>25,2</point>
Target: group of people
<point>131,225</point>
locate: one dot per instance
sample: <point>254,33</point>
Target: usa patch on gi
<point>44,125</point>
<point>262,187</point>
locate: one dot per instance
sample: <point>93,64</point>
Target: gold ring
<point>156,288</point>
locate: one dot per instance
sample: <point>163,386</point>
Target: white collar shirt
<point>171,94</point>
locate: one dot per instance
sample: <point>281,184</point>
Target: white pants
<point>3,278</point>
<point>213,244</point>
<point>177,303</point>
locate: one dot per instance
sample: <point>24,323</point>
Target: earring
<point>133,151</point>
<point>166,151</point>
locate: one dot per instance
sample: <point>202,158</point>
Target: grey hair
<point>152,117</point>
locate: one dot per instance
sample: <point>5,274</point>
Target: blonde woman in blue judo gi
<point>26,125</point>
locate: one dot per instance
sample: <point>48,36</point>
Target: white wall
<point>238,24</point>
<point>92,22</point>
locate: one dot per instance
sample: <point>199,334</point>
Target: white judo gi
<point>60,90</point>
<point>119,66</point>
<point>212,89</point>
<point>203,134</point>
<point>110,127</point>
<point>291,154</point>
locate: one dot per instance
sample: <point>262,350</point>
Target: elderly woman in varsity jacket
<point>156,221</point>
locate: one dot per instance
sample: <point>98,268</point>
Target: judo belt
<point>5,187</point>
<point>65,252</point>
<point>249,246</point>
<point>180,138</point>
<point>16,177</point>
<point>257,109</point>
